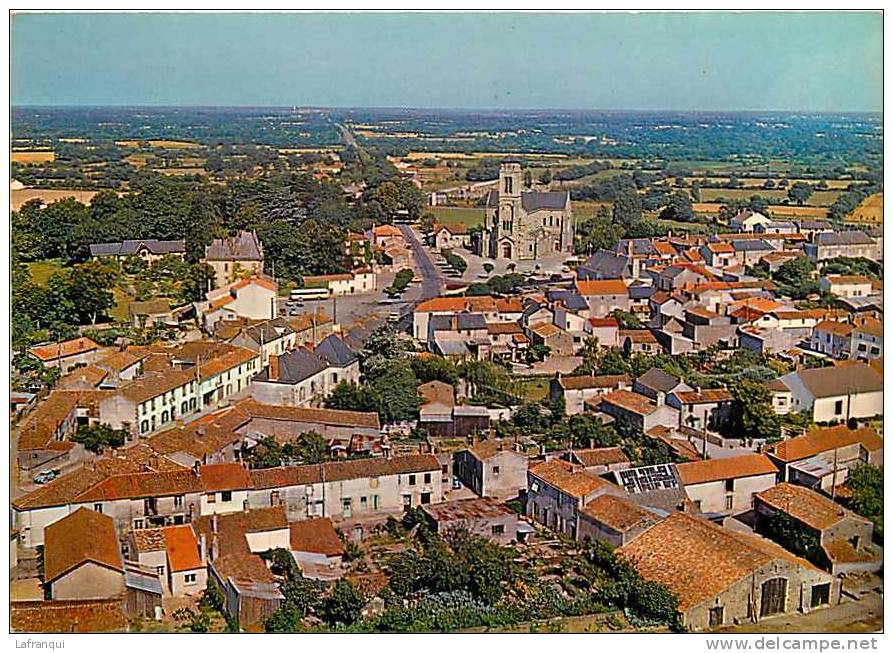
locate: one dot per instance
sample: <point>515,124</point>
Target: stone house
<point>605,329</point>
<point>603,296</point>
<point>492,469</point>
<point>177,555</point>
<point>822,458</point>
<point>559,342</point>
<point>556,492</point>
<point>851,244</point>
<point>270,338</point>
<point>658,385</point>
<point>844,537</point>
<point>867,340</point>
<point>598,461</point>
<point>481,516</point>
<point>637,410</point>
<point>841,285</point>
<point>150,251</point>
<point>614,520</point>
<point>702,410</point>
<point>253,298</point>
<point>691,556</point>
<point>727,485</point>
<point>576,390</point>
<point>451,236</point>
<point>235,256</point>
<point>351,489</point>
<point>832,338</point>
<point>82,559</point>
<point>68,354</point>
<point>837,394</point>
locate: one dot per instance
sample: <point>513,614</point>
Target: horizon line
<point>453,109</point>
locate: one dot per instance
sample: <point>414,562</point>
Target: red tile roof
<point>92,616</point>
<point>718,469</point>
<point>821,440</point>
<point>601,287</point>
<point>182,548</point>
<point>54,351</point>
<point>570,479</point>
<point>82,536</point>
<point>315,536</point>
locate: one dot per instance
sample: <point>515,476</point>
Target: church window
<point>508,185</point>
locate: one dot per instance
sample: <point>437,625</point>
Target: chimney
<point>214,524</point>
<point>215,547</point>
<point>203,548</point>
<point>274,367</point>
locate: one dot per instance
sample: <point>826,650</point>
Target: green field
<point>454,215</point>
<point>818,198</point>
<point>532,389</point>
<point>41,271</point>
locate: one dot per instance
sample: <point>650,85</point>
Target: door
<point>716,616</point>
<point>821,595</point>
<point>773,596</point>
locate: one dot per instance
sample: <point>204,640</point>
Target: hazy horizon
<point>829,62</point>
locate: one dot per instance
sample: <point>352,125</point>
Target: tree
<point>678,208</point>
<point>312,448</point>
<point>90,290</point>
<point>99,437</point>
<point>545,177</point>
<point>627,208</point>
<point>800,192</point>
<point>343,605</point>
<point>752,414</point>
<point>349,396</point>
<point>867,485</point>
<point>427,222</point>
<point>793,536</point>
<point>394,392</point>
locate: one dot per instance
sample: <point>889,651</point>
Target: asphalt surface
<point>432,278</point>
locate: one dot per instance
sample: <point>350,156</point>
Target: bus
<point>309,293</point>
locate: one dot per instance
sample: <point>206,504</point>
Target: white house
<point>837,394</point>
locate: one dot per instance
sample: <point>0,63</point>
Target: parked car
<point>46,476</point>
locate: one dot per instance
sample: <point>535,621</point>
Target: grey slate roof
<point>335,352</point>
<point>843,238</point>
<point>814,224</point>
<point>641,246</point>
<point>462,322</point>
<point>131,247</point>
<point>657,379</point>
<point>604,264</point>
<point>294,367</point>
<point>244,247</point>
<point>837,381</point>
<point>269,331</point>
<point>640,291</point>
<point>571,300</point>
<point>752,246</point>
<point>536,200</point>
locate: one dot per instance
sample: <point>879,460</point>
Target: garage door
<point>772,598</point>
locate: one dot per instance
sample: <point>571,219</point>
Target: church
<point>525,225</point>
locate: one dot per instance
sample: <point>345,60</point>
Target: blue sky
<point>710,61</point>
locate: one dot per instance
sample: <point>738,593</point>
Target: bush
<point>457,262</point>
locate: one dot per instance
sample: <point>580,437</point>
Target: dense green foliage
<point>100,437</point>
<point>867,485</point>
<point>308,448</point>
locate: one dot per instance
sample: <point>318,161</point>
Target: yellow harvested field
<point>421,156</point>
<point>18,197</point>
<point>778,210</point>
<point>170,145</point>
<point>870,211</point>
<point>177,172</point>
<point>30,156</point>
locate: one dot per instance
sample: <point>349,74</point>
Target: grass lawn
<point>122,301</point>
<point>532,389</point>
<point>453,215</point>
<point>41,271</point>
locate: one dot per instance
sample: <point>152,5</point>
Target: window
<point>412,479</point>
<point>97,507</point>
<point>729,500</point>
<point>730,485</point>
<point>426,498</point>
<point>138,524</point>
<point>427,479</point>
<point>212,497</point>
<point>144,426</point>
<point>495,470</point>
<point>375,502</point>
<point>838,407</point>
<point>821,595</point>
<point>178,501</point>
<point>159,570</point>
<point>497,529</point>
<point>189,579</point>
<point>226,496</point>
<point>364,503</point>
<point>407,500</point>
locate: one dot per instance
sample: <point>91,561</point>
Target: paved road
<point>432,279</point>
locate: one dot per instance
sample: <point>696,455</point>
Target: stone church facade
<point>525,225</point>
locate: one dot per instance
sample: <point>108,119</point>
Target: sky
<point>828,61</point>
